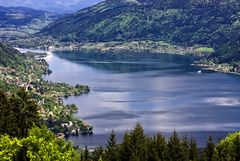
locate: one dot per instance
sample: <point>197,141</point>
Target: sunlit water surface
<point>163,92</point>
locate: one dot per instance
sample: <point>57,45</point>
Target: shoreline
<point>37,51</point>
<point>157,47</point>
<point>216,69</point>
<point>101,139</point>
<point>52,49</point>
<point>89,138</point>
<point>149,46</point>
<point>57,99</point>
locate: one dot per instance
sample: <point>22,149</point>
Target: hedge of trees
<point>23,138</point>
<point>136,146</point>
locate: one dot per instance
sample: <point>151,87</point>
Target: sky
<point>59,6</point>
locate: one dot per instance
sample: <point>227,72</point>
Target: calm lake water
<point>163,92</point>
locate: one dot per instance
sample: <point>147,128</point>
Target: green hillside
<point>186,22</point>
<point>11,57</point>
<point>21,22</point>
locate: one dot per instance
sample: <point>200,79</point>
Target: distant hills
<point>21,21</point>
<point>213,23</point>
<point>55,6</point>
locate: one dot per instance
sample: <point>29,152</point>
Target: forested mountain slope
<point>22,21</point>
<point>186,22</point>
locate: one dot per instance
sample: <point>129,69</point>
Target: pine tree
<point>161,147</point>
<point>174,148</point>
<point>193,150</point>
<point>185,148</point>
<point>208,151</point>
<point>111,150</point>
<point>157,148</point>
<point>86,156</point>
<point>22,110</point>
<point>26,115</point>
<point>4,114</point>
<point>152,149</point>
<point>134,146</point>
<point>138,144</point>
<point>125,148</point>
<point>98,153</point>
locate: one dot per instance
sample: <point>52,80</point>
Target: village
<point>49,97</point>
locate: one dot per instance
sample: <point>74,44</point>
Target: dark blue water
<point>163,92</point>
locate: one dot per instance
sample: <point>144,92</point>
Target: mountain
<point>179,21</point>
<point>10,57</point>
<point>185,22</point>
<point>56,6</point>
<point>21,21</point>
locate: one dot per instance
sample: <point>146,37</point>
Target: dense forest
<point>214,23</point>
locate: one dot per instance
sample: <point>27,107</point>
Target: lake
<point>161,91</point>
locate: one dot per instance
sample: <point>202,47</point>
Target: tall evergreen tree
<point>174,148</point>
<point>208,151</point>
<point>98,153</point>
<point>161,147</point>
<point>86,156</point>
<point>125,148</point>
<point>157,148</point>
<point>26,115</point>
<point>185,148</point>
<point>138,144</point>
<point>4,114</point>
<point>133,147</point>
<point>152,149</point>
<point>22,110</point>
<point>111,150</point>
<point>193,150</point>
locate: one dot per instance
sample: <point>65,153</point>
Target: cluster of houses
<point>5,70</point>
<point>65,126</point>
<point>10,76</point>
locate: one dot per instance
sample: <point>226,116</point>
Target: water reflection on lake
<point>163,92</point>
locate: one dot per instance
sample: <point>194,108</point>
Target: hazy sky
<point>51,5</point>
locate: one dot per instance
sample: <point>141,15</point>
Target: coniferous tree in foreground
<point>111,150</point>
<point>133,147</point>
<point>161,147</point>
<point>4,114</point>
<point>193,150</point>
<point>22,110</point>
<point>174,148</point>
<point>209,151</point>
<point>125,148</point>
<point>185,148</point>
<point>138,144</point>
<point>86,155</point>
<point>98,154</point>
<point>157,148</point>
<point>152,149</point>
